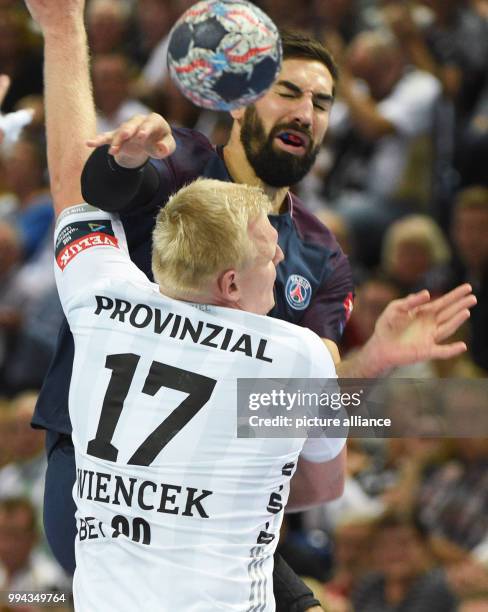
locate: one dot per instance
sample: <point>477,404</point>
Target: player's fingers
<point>451,297</point>
<point>100,140</point>
<point>4,87</point>
<point>448,351</point>
<point>410,303</point>
<point>451,311</point>
<point>155,135</point>
<point>449,327</point>
<point>164,147</point>
<point>125,132</point>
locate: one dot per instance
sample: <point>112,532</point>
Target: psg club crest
<point>298,291</point>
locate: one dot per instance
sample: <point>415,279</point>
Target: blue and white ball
<point>224,54</point>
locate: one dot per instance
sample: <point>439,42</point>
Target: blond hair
<point>202,231</point>
<point>417,229</point>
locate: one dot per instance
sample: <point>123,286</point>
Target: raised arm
<point>117,176</point>
<point>70,111</point>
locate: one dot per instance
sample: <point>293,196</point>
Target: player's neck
<point>200,298</point>
<point>241,171</point>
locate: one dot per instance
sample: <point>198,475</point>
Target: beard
<point>274,167</point>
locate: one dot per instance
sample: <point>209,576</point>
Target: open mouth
<point>293,141</point>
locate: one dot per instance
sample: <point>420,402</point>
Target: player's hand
<point>136,140</point>
<point>53,14</point>
<point>4,86</point>
<point>412,329</point>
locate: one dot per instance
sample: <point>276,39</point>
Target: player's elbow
<point>335,489</point>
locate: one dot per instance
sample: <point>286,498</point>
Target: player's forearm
<point>365,363</point>
<point>110,187</point>
<point>70,111</point>
<point>316,483</point>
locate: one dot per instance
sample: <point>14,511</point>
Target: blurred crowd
<point>401,180</point>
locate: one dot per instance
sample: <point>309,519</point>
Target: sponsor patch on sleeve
<point>78,236</point>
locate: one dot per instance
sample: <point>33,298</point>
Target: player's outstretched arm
<point>138,139</point>
<point>410,330</point>
<point>70,111</point>
<point>116,177</point>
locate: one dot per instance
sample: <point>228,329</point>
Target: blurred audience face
<point>399,552</point>
<point>27,442</point>
<point>371,299</point>
<point>410,262</point>
<point>332,11</point>
<point>23,168</point>
<point>350,545</point>
<point>110,82</point>
<point>177,109</point>
<point>106,24</point>
<point>155,18</point>
<point>377,61</point>
<point>17,534</point>
<point>470,234</point>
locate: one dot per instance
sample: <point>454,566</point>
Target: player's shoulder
<point>286,337</point>
<point>310,228</point>
<point>192,154</point>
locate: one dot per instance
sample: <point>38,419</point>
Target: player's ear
<point>228,287</point>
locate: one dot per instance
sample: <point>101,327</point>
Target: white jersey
<point>174,512</point>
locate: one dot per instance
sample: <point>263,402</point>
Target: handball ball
<point>224,54</point>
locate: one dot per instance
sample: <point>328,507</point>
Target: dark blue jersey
<point>313,284</point>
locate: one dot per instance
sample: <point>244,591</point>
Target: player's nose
<point>303,111</point>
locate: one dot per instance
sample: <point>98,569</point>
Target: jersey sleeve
<point>90,247</point>
<point>324,448</point>
<point>332,305</point>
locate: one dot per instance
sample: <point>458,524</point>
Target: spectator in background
<point>23,475</point>
<point>25,228</point>
<point>22,567</point>
<point>379,127</point>
<point>413,247</point>
<point>154,20</point>
<point>27,204</point>
<point>469,230</point>
<point>111,81</point>
<point>452,502</point>
<point>452,45</point>
<point>20,56</point>
<point>342,17</point>
<point>107,23</point>
<point>404,579</point>
<point>352,540</point>
<point>473,150</point>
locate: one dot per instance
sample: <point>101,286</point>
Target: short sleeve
<point>90,248</point>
